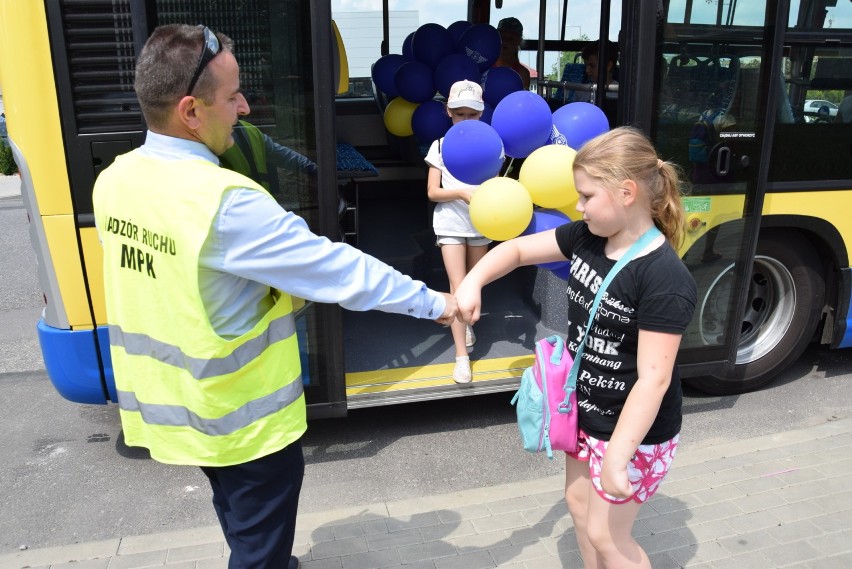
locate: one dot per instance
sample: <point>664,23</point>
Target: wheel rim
<point>769,310</point>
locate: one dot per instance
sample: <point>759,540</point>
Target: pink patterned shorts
<point>645,471</point>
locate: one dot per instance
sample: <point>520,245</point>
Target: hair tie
<point>659,163</point>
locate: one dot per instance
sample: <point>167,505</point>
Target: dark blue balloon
<point>407,51</point>
<point>545,220</point>
<point>561,270</point>
<point>452,68</point>
<point>576,123</point>
<point>524,122</point>
<point>481,43</point>
<point>414,82</point>
<point>499,82</point>
<point>472,151</point>
<point>430,121</point>
<point>487,114</point>
<point>456,30</point>
<point>384,73</point>
<point>431,44</point>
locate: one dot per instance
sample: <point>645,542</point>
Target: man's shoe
<point>294,563</point>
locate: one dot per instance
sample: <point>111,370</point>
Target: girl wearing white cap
<point>462,246</point>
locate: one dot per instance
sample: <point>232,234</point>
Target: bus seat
<point>695,86</point>
<point>572,73</point>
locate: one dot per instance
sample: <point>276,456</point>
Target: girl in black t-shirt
<point>628,388</point>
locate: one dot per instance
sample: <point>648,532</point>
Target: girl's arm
<point>655,361</point>
<point>501,260</point>
<point>438,194</point>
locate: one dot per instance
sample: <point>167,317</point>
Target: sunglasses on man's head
<point>209,50</point>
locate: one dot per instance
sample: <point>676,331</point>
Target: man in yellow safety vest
<point>200,263</point>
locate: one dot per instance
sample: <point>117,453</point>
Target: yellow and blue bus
<point>724,88</point>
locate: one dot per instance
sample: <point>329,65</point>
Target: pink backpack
<point>547,400</point>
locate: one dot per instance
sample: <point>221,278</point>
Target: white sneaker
<point>469,336</point>
<point>461,373</point>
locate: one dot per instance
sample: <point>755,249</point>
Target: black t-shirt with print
<point>654,292</point>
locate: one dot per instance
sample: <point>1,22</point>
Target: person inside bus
<point>256,155</point>
<point>198,284</point>
<point>462,246</point>
<point>511,33</point>
<point>629,395</point>
<point>590,58</point>
<point>844,110</point>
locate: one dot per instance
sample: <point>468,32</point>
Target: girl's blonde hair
<point>625,153</point>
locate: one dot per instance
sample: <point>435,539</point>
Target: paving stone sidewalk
<point>781,500</point>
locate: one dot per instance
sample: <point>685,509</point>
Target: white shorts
<point>478,241</point>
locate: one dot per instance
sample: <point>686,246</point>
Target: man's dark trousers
<point>256,503</point>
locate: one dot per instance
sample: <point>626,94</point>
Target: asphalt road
<point>66,476</point>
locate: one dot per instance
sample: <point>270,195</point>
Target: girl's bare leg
<point>609,528</point>
<point>578,487</point>
<point>455,263</point>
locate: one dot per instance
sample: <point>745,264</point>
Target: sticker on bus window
<point>696,205</point>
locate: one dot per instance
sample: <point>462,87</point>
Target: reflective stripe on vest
<point>177,416</point>
<point>143,345</point>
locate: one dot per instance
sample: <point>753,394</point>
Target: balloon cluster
<point>515,123</point>
<point>502,208</point>
<point>432,59</point>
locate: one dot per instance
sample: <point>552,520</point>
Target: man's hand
<point>450,311</point>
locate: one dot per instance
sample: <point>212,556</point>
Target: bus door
<point>288,59</point>
<point>718,75</point>
<point>285,50</point>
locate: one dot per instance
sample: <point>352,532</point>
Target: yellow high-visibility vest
<point>185,393</point>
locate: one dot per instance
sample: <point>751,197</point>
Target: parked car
<point>819,109</point>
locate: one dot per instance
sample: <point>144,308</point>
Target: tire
<point>785,302</point>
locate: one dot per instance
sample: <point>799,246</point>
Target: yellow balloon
<point>571,211</point>
<point>501,208</point>
<point>548,176</point>
<point>398,116</point>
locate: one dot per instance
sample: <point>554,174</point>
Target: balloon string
<point>509,167</point>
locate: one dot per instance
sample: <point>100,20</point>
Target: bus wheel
<point>784,307</point>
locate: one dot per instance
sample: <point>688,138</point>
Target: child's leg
<point>610,529</point>
<point>474,254</point>
<point>455,264</point>
<point>578,488</point>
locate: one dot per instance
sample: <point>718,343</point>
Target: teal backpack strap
<point>639,245</point>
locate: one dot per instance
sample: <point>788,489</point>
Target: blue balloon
<point>472,151</point>
<point>452,68</point>
<point>576,123</point>
<point>487,114</point>
<point>384,73</point>
<point>414,82</point>
<point>430,121</point>
<point>499,82</point>
<point>563,270</point>
<point>523,121</point>
<point>481,43</point>
<point>407,51</point>
<point>431,44</point>
<point>456,30</point>
<point>545,220</point>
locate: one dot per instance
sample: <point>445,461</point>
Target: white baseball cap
<point>466,94</point>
